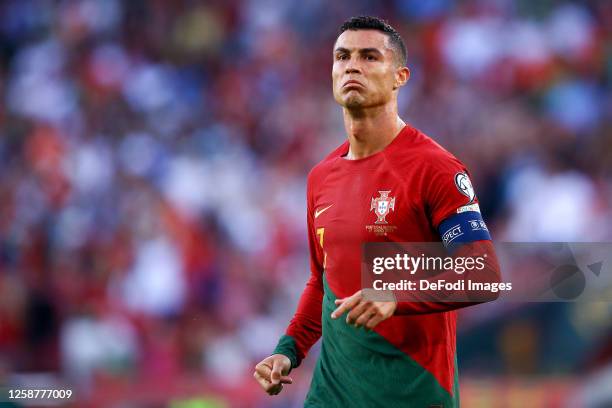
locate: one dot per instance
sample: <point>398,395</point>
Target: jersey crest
<point>382,205</point>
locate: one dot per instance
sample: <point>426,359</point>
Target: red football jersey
<point>400,194</point>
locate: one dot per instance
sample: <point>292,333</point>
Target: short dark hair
<point>375,23</point>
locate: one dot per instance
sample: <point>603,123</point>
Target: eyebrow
<point>361,50</point>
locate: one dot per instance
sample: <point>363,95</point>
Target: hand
<point>364,312</point>
<point>271,373</point>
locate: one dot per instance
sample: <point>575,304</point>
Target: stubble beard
<point>354,101</point>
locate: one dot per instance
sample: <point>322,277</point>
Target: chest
<point>376,205</point>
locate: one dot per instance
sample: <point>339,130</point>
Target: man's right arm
<point>305,327</point>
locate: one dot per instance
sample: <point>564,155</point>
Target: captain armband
<point>464,227</point>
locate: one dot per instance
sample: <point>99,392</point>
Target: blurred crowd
<point>153,158</point>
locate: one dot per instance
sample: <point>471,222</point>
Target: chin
<point>353,102</point>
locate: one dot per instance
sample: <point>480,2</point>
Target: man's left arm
<point>454,211</point>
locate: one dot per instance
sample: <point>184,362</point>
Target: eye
<point>341,57</point>
<point>370,58</point>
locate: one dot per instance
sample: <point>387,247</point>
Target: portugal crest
<point>382,205</point>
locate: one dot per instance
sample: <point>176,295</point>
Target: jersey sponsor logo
<point>382,205</point>
<point>321,211</point>
<point>470,207</point>
<point>464,185</point>
<point>478,225</point>
<point>450,235</point>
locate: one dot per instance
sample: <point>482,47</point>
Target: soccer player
<point>388,182</point>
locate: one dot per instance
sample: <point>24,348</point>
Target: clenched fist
<point>271,373</point>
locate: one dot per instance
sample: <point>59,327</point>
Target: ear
<point>402,75</point>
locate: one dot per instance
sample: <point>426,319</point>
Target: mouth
<point>351,83</point>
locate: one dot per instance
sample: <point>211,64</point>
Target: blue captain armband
<point>461,228</point>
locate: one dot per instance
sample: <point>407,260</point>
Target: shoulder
<point>418,149</point>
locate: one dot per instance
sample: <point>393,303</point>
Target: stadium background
<point>153,157</point>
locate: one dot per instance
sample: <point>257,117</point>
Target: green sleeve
<point>286,346</point>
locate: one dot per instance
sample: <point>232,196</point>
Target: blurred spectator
<point>153,158</point>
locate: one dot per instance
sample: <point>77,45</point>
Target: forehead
<point>356,39</point>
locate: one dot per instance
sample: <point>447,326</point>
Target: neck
<point>371,130</point>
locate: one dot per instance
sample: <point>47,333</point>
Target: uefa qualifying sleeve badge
<point>464,185</point>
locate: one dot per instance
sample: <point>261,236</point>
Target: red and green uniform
<point>409,360</point>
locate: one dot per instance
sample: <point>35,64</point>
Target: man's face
<point>365,71</point>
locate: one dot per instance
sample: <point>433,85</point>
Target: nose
<point>352,67</point>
